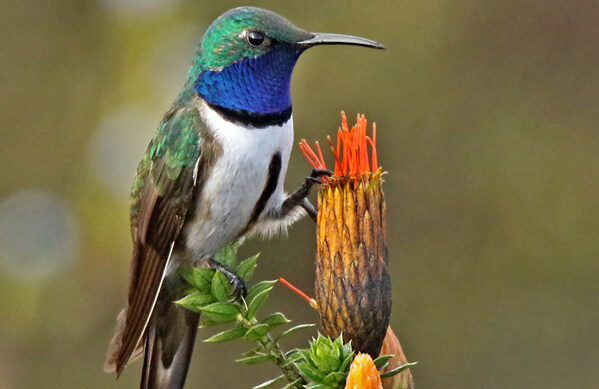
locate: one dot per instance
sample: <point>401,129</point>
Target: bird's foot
<point>238,283</point>
<point>298,198</point>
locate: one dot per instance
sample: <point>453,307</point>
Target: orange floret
<point>363,374</point>
<point>350,152</point>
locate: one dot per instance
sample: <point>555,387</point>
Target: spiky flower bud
<point>352,287</point>
<point>363,374</point>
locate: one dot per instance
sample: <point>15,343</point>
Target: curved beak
<point>323,38</point>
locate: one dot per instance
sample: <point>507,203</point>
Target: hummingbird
<point>213,173</point>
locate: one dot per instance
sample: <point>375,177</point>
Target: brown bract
<point>404,379</point>
<point>353,287</point>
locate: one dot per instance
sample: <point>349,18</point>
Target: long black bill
<point>323,38</point>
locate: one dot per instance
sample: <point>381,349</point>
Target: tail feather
<point>170,337</point>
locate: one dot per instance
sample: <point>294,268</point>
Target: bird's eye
<point>255,38</point>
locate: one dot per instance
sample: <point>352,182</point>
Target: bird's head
<point>246,58</point>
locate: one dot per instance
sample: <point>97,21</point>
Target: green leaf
<point>258,288</point>
<point>255,359</point>
<point>257,302</point>
<point>292,384</point>
<point>246,268</point>
<point>269,382</point>
<point>346,362</point>
<point>310,372</point>
<point>257,332</point>
<point>195,301</point>
<point>276,319</point>
<point>221,287</point>
<point>382,361</point>
<point>199,278</point>
<point>398,369</point>
<point>228,255</point>
<point>222,312</point>
<point>293,329</point>
<point>224,336</point>
<point>335,377</point>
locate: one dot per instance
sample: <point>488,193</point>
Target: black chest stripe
<point>254,120</point>
<point>274,169</point>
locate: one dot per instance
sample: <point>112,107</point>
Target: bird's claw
<point>238,283</point>
<point>319,173</point>
<point>239,288</point>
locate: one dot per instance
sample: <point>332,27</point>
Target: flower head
<point>353,286</point>
<point>352,159</point>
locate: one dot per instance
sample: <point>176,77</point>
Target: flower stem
<point>273,348</point>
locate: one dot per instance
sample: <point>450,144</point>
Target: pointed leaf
<point>246,268</point>
<point>222,312</point>
<point>228,255</point>
<point>398,369</point>
<point>269,382</point>
<point>257,302</point>
<point>292,384</point>
<point>258,288</point>
<point>257,332</point>
<point>276,319</point>
<point>310,372</point>
<point>224,336</point>
<point>293,329</point>
<point>195,301</point>
<point>346,362</point>
<point>335,377</point>
<point>255,359</point>
<point>199,278</point>
<point>382,361</point>
<point>221,287</point>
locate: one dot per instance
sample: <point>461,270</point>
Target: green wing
<point>160,199</point>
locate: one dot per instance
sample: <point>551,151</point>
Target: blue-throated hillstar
<point>213,172</point>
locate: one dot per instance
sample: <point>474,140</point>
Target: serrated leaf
<point>382,361</point>
<point>246,268</point>
<point>199,278</point>
<point>398,369</point>
<point>224,336</point>
<point>276,319</point>
<point>222,312</point>
<point>258,288</point>
<point>257,302</point>
<point>255,359</point>
<point>257,332</point>
<point>195,301</point>
<point>269,382</point>
<point>293,329</point>
<point>221,287</point>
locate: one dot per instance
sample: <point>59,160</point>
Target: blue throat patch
<point>252,87</point>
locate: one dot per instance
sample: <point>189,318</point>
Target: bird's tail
<point>170,337</point>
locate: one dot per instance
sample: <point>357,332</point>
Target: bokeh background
<point>488,126</point>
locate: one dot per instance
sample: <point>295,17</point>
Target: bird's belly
<point>227,200</point>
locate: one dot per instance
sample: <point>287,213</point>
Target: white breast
<point>236,181</point>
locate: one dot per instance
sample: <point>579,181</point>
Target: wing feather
<point>161,199</point>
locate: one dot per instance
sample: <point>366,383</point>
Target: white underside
<point>236,182</point>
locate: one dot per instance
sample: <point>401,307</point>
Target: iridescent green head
<point>244,64</point>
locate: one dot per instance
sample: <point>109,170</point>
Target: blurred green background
<point>488,126</point>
